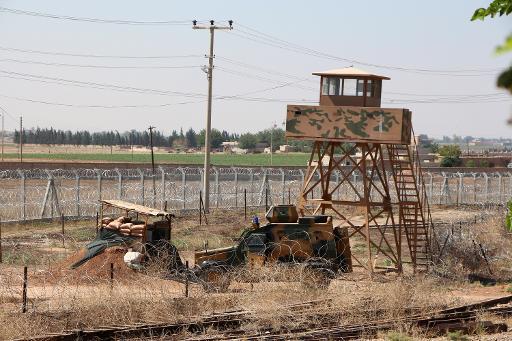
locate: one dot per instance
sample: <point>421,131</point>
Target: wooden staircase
<point>414,212</point>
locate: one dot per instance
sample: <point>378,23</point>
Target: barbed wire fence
<point>41,193</point>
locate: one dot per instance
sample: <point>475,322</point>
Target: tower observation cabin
<point>350,87</point>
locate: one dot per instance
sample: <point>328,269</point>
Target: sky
<point>442,66</point>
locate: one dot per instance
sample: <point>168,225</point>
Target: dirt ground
<point>60,298</point>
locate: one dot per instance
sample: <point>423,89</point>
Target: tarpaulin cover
<point>104,239</point>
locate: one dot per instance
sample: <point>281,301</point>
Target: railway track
<point>229,325</point>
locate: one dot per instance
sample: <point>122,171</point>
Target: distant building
<point>228,146</point>
<point>285,148</point>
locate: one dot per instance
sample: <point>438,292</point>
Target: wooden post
<point>266,199</point>
<point>200,206</point>
<point>24,294</point>
<point>186,280</point>
<point>0,241</point>
<point>111,276</point>
<point>62,225</point>
<point>245,203</point>
<point>97,221</point>
<point>289,196</point>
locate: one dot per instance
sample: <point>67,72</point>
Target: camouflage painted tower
<point>363,170</point>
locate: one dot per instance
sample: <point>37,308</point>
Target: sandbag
<point>110,227</point>
<point>126,226</point>
<point>136,234</point>
<point>125,231</point>
<point>115,224</point>
<point>124,219</point>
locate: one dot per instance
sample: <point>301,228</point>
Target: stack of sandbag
<point>125,229</point>
<point>137,230</point>
<point>124,225</point>
<point>112,224</point>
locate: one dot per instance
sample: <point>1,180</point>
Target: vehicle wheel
<point>215,278</point>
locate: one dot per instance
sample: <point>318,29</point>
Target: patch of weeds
<point>457,336</point>
<point>397,336</point>
<point>509,287</point>
<point>81,234</point>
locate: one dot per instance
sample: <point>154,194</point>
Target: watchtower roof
<point>349,72</point>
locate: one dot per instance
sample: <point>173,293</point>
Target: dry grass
<point>59,300</point>
<point>482,249</point>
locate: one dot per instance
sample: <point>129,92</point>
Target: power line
<point>92,20</point>
<point>103,85</point>
<point>97,66</point>
<point>66,54</point>
<point>267,39</point>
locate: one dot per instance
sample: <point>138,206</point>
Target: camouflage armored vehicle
<point>309,241</point>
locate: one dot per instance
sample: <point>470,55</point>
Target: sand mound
<point>96,269</point>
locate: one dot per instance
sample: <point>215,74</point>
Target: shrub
<point>508,217</point>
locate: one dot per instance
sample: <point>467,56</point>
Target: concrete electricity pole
<point>207,142</point>
<point>152,159</point>
<point>3,136</point>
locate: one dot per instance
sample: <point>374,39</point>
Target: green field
<point>290,159</point>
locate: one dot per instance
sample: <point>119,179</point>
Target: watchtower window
<point>331,86</point>
<point>360,87</point>
<point>349,87</point>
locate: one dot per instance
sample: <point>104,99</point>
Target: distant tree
<point>434,147</point>
<point>450,150</point>
<point>471,163</point>
<point>451,156</point>
<point>450,161</point>
<point>190,138</point>
<point>247,141</point>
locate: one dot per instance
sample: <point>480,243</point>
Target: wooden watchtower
<point>363,170</point>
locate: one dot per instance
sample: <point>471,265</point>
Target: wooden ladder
<point>410,190</point>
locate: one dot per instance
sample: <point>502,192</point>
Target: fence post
<point>183,188</point>
<point>98,172</point>
<point>251,186</point>
<point>266,198</point>
<point>0,241</point>
<point>474,188</point>
<point>119,184</point>
<point>236,187</point>
<point>486,177</point>
<point>431,187</point>
<point>283,182</point>
<point>63,232</point>
<point>21,172</point>
<point>509,184</point>
<point>245,203</point>
<point>459,188</point>
<point>162,172</point>
<point>142,188</point>
<point>24,292</point>
<point>217,187</point>
<point>77,193</point>
<point>499,187</point>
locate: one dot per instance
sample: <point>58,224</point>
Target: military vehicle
<point>311,242</point>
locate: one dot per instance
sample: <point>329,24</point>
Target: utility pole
<point>152,159</point>
<point>271,141</point>
<point>207,142</point>
<point>3,135</point>
<point>21,139</point>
